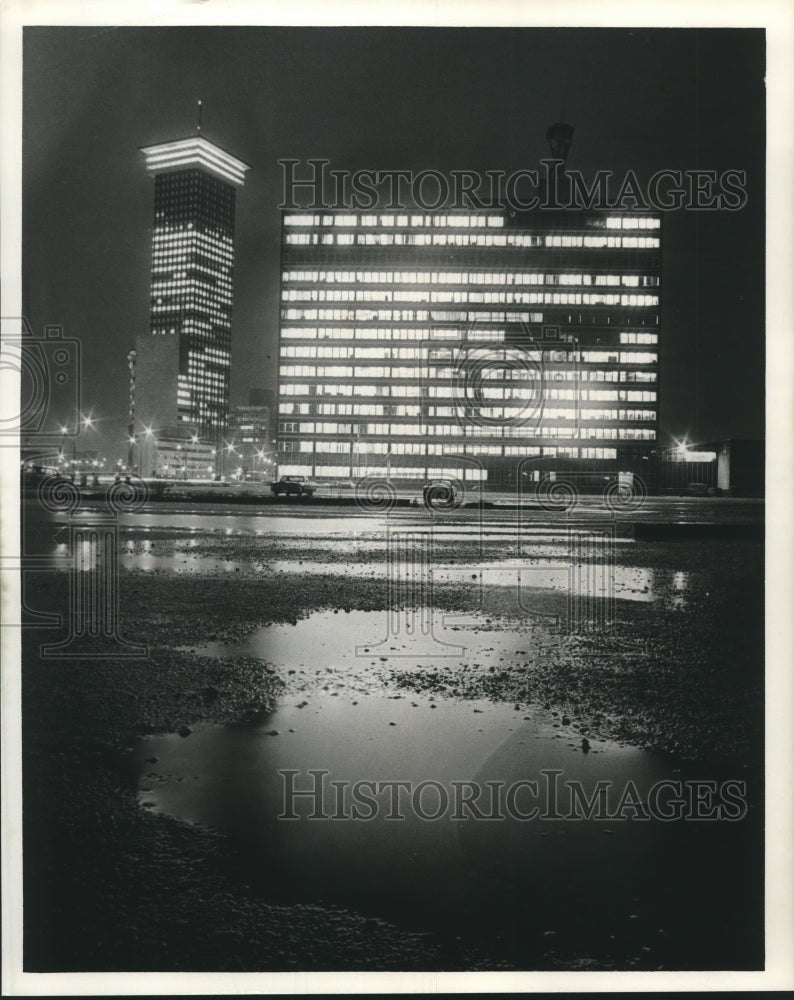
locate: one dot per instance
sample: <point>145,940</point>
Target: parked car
<point>297,486</point>
<point>442,493</point>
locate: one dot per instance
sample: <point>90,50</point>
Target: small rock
<point>184,731</point>
<point>272,732</point>
<point>585,745</point>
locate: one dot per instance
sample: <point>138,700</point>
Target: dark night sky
<point>388,98</point>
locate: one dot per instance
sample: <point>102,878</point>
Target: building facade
<point>179,454</point>
<point>249,434</point>
<point>183,361</point>
<point>485,346</point>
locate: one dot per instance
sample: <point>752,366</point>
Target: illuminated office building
<point>481,345</point>
<point>183,361</point>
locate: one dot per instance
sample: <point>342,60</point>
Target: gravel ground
<point>112,887</point>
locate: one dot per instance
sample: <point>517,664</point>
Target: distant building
<point>249,446</point>
<point>182,363</point>
<point>484,345</point>
<point>730,467</point>
<point>177,453</point>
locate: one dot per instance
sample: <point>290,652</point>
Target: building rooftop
<point>195,151</point>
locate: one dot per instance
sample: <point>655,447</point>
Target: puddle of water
<point>549,572</point>
<point>462,875</point>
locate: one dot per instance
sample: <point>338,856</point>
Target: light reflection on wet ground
<point>549,569</point>
<point>339,715</point>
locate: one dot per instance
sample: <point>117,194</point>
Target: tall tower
<point>183,362</point>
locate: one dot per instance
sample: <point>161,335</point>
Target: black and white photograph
<point>390,415</point>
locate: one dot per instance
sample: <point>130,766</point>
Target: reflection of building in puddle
<point>599,580</point>
<point>680,584</point>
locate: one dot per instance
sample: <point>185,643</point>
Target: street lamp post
<point>88,424</point>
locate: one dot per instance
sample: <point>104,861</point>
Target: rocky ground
<point>112,887</point>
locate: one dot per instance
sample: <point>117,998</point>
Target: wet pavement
<point>429,862</point>
<point>477,648</point>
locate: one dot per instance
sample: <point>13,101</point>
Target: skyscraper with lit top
<point>183,361</point>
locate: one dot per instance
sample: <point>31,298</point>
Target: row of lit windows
<point>508,298</point>
<point>528,428</point>
<point>454,373</point>
<point>471,239</point>
<point>175,291</point>
<point>210,352</point>
<point>439,392</point>
<point>639,338</point>
<point>165,282</point>
<point>213,277</point>
<point>173,311</point>
<point>425,353</point>
<point>423,333</point>
<point>423,446</point>
<point>448,316</point>
<point>453,430</point>
<point>468,278</point>
<point>219,257</point>
<point>219,275</point>
<point>186,234</point>
<point>166,247</point>
<point>466,221</point>
<point>633,222</point>
<point>395,333</point>
<point>461,411</point>
<point>432,392</point>
<point>378,333</point>
<point>622,357</point>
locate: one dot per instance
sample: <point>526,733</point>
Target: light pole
<point>131,358</point>
<point>230,450</point>
<point>88,424</point>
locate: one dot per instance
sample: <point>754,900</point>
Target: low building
<point>729,467</point>
<point>250,448</point>
<point>176,453</point>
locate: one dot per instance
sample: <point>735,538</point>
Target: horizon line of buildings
<point>485,346</point>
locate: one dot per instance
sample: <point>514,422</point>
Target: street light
<point>88,423</point>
